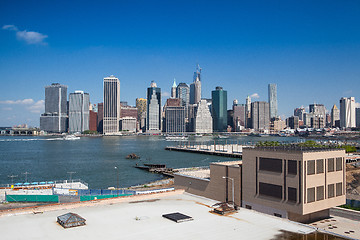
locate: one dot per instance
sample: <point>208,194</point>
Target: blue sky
<point>310,49</point>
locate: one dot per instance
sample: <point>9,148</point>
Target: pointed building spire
<point>174,84</point>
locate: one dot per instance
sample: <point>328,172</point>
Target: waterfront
<point>94,158</point>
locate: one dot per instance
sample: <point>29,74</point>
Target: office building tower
<point>195,87</point>
<point>293,122</point>
<point>347,112</point>
<point>111,105</point>
<point>173,90</point>
<point>299,112</point>
<point>248,112</point>
<point>260,116</point>
<point>183,92</point>
<point>357,111</point>
<point>79,103</point>
<point>128,111</point>
<point>238,116</point>
<point>141,107</point>
<point>272,94</point>
<point>128,124</point>
<point>153,119</point>
<point>219,109</point>
<point>203,121</point>
<point>92,120</point>
<point>317,109</point>
<point>277,125</point>
<point>55,118</point>
<point>100,116</point>
<point>316,116</point>
<point>174,116</point>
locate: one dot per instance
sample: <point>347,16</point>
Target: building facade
<point>173,90</point>
<point>79,103</point>
<point>293,122</point>
<point>260,116</point>
<point>141,105</point>
<point>203,121</point>
<point>195,87</point>
<point>100,116</point>
<point>299,112</point>
<point>296,183</point>
<point>128,124</point>
<point>153,119</point>
<point>272,95</point>
<point>111,109</point>
<point>219,109</point>
<point>347,112</point>
<point>175,119</point>
<point>55,118</point>
<point>238,116</point>
<point>248,113</point>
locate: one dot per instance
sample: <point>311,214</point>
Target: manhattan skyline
<point>310,50</point>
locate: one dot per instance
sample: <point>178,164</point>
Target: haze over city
<point>310,50</point>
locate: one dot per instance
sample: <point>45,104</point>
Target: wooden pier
<point>224,150</point>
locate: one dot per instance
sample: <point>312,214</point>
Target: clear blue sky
<point>310,49</point>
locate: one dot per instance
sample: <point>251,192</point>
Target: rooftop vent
<point>177,217</point>
<point>69,220</point>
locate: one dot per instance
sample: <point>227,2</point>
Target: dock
<point>224,150</point>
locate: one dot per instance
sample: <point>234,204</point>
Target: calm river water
<point>94,158</point>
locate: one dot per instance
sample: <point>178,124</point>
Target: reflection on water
<point>285,235</point>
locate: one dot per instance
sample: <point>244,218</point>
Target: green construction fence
<point>32,198</point>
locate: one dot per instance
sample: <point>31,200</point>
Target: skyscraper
<point>299,112</point>
<point>347,112</point>
<point>173,90</point>
<point>183,92</point>
<point>100,117</point>
<point>174,116</point>
<point>272,94</point>
<point>111,105</point>
<point>219,109</point>
<point>141,106</point>
<point>335,116</point>
<point>203,121</point>
<point>153,119</point>
<point>239,116</point>
<point>248,112</point>
<point>357,111</point>
<point>55,117</point>
<point>79,103</point>
<point>260,115</point>
<point>195,87</point>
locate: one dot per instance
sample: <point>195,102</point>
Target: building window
<point>320,166</point>
<point>311,195</point>
<point>311,167</point>
<point>277,215</point>
<point>319,193</point>
<point>330,165</point>
<point>339,164</point>
<point>292,167</point>
<point>292,194</point>
<point>270,190</point>
<point>331,190</point>
<point>270,164</point>
<point>339,189</point>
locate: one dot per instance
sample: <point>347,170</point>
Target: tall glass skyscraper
<point>273,100</point>
<point>153,118</point>
<point>219,109</point>
<point>55,117</point>
<point>79,103</point>
<point>111,105</point>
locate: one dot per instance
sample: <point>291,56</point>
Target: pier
<point>232,150</point>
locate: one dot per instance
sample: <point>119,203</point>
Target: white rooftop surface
<point>118,221</point>
<point>203,173</point>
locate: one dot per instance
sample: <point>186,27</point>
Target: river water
<point>93,159</point>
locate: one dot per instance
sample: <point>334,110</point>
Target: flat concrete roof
<point>293,148</point>
<point>229,163</point>
<point>140,217</point>
<point>201,173</point>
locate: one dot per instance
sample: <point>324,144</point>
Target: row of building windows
<point>313,166</point>
<point>317,166</point>
<point>333,190</point>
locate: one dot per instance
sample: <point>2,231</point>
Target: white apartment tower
<point>347,112</point>
<point>203,120</point>
<point>111,105</point>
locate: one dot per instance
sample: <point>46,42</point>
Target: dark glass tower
<point>219,109</point>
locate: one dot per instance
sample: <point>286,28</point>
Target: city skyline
<point>306,51</point>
